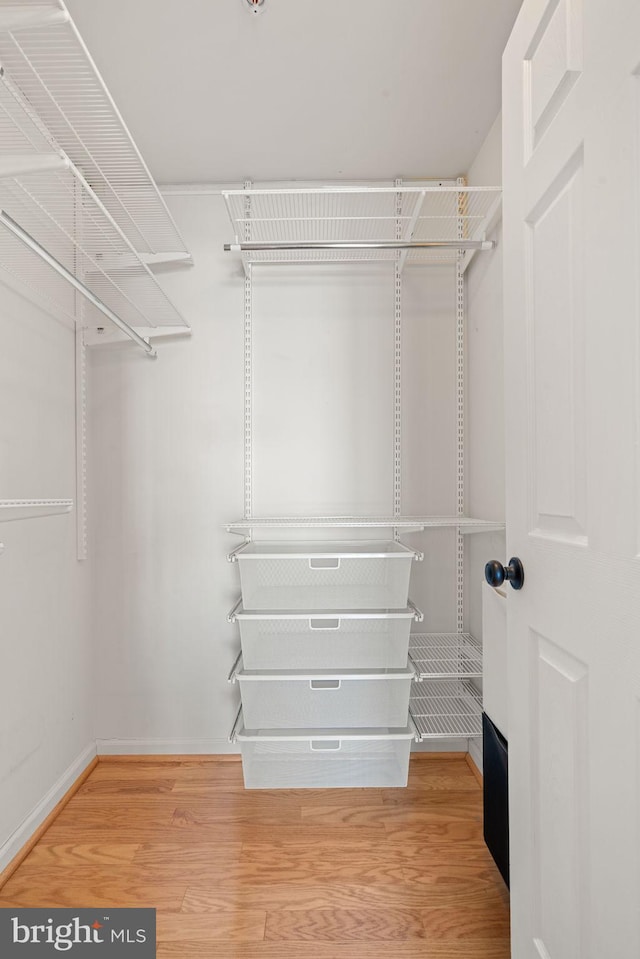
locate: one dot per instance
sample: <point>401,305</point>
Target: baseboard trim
<point>168,747</point>
<point>459,746</point>
<point>419,756</point>
<point>159,758</point>
<point>474,769</point>
<point>24,838</point>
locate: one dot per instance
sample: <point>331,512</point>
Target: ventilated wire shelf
<point>60,211</point>
<point>359,215</point>
<point>447,709</point>
<point>43,55</point>
<point>26,508</point>
<point>465,523</point>
<point>445,655</point>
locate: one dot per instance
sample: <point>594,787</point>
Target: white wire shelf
<point>466,524</point>
<point>11,509</point>
<point>366,214</point>
<point>445,655</point>
<point>58,209</point>
<point>448,709</point>
<point>44,56</point>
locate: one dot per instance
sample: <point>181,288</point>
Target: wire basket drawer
<point>377,758</point>
<point>325,700</point>
<point>378,639</point>
<point>325,576</point>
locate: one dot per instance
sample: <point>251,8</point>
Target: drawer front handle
<point>325,683</point>
<point>331,562</point>
<point>324,624</point>
<point>325,745</point>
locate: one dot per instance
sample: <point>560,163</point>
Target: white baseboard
<point>164,747</point>
<point>12,846</point>
<point>440,746</point>
<point>475,752</point>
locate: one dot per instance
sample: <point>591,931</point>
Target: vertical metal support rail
<point>462,199</point>
<point>248,369</point>
<point>397,374</point>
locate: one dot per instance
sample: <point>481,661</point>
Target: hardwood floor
<point>319,874</point>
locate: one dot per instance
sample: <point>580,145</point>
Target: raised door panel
<point>556,360</point>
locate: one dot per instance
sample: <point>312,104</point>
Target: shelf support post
<point>460,403</point>
<point>397,374</point>
<point>248,370</point>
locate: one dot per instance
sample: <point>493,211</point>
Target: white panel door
<point>572,349</point>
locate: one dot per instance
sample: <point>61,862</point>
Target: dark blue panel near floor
<point>495,772</point>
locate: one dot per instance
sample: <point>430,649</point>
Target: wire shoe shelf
<point>446,708</point>
<point>445,655</point>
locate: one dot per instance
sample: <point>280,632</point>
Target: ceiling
<point>307,90</point>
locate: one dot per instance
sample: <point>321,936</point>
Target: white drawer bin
<point>325,576</point>
<point>372,639</point>
<point>318,699</point>
<point>300,760</point>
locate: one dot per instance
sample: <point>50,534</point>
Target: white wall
<point>46,678</point>
<point>167,464</point>
<point>485,391</point>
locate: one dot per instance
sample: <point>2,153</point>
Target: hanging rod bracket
<point>67,275</point>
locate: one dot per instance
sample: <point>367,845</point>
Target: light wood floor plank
<point>459,831</point>
<point>239,926</point>
<point>475,922</point>
<point>408,949</point>
<point>75,854</point>
<point>182,772</point>
<point>127,787</point>
<point>342,925</point>
<point>65,891</point>
<point>189,833</point>
<point>392,813</point>
<point>329,894</point>
<point>166,854</point>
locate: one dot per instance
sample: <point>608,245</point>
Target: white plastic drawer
<point>325,699</point>
<point>377,758</point>
<point>375,639</point>
<point>325,576</point>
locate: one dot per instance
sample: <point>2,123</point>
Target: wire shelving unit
<point>46,60</point>
<point>360,224</point>
<point>445,655</point>
<point>446,709</point>
<point>81,218</point>
<point>393,226</point>
<point>53,203</point>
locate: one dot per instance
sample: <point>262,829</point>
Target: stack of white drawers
<point>323,674</point>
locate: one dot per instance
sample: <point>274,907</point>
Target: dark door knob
<point>495,573</point>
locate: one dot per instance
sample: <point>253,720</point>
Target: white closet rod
<point>373,245</point>
<point>44,254</point>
